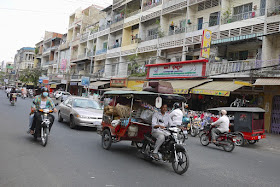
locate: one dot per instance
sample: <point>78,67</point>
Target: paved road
<point>75,158</point>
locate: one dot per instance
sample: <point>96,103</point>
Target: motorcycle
<point>13,99</point>
<point>225,140</point>
<point>30,94</point>
<point>23,96</point>
<point>43,130</point>
<point>170,151</point>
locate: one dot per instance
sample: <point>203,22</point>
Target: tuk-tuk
<point>247,121</point>
<point>128,116</point>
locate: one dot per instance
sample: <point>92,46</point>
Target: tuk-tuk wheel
<point>239,140</point>
<point>106,139</point>
<point>252,141</point>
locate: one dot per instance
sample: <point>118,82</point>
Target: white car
<point>58,94</point>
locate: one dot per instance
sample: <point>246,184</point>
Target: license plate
<point>259,137</point>
<point>185,132</point>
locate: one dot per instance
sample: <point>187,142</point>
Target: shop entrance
<point>275,117</point>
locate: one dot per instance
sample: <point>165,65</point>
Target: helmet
<point>44,89</point>
<point>176,105</point>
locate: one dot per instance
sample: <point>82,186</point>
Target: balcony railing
<point>243,16</point>
<point>132,13</point>
<point>46,50</point>
<point>192,28</point>
<point>273,11</point>
<point>117,18</point>
<point>84,37</point>
<point>151,37</point>
<point>82,56</point>
<point>177,31</point>
<point>150,4</point>
<point>116,45</point>
<point>103,27</point>
<point>101,51</point>
<point>53,48</point>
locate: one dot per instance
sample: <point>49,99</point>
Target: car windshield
<point>86,103</point>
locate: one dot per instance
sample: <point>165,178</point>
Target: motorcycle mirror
<point>158,102</point>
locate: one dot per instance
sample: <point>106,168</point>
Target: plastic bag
<point>147,116</point>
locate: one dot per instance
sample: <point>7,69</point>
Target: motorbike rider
<point>11,93</point>
<point>160,121</point>
<point>176,115</point>
<point>42,102</point>
<point>222,125</point>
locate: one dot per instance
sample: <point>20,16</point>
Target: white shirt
<point>222,123</point>
<point>43,104</point>
<point>176,117</point>
<point>157,117</point>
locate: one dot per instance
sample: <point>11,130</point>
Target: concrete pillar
<point>108,68</point>
<point>123,67</point>
<point>267,50</point>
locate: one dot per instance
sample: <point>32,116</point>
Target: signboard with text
<point>205,44</point>
<point>120,82</point>
<point>177,70</point>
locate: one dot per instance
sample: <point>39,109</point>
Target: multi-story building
<point>24,58</point>
<point>82,25</point>
<point>49,60</point>
<point>38,54</point>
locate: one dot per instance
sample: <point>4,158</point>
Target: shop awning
<point>267,82</point>
<point>218,88</point>
<point>95,85</point>
<point>117,89</point>
<point>183,86</point>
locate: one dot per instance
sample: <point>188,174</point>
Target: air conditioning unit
<point>162,54</point>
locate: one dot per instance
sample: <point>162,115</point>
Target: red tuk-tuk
<point>128,116</point>
<point>247,121</point>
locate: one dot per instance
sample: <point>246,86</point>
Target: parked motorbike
<point>43,130</point>
<point>225,140</point>
<point>170,151</point>
<point>13,99</point>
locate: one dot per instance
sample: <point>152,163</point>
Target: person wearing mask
<point>176,115</point>
<point>160,121</point>
<point>222,125</point>
<point>41,102</point>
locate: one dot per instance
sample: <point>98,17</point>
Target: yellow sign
<point>135,85</point>
<point>243,83</point>
<point>205,44</point>
<point>211,92</point>
<point>180,91</point>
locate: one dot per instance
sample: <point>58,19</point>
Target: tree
<point>30,75</point>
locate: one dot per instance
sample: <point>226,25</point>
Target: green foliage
<point>144,74</point>
<point>36,50</point>
<point>30,75</point>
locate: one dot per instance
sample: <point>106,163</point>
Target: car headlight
<point>79,116</point>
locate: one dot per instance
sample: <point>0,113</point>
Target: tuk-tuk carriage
<point>128,116</point>
<point>247,121</point>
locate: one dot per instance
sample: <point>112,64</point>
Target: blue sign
<point>85,81</point>
<point>40,81</point>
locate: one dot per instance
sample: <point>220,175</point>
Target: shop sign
<point>118,82</point>
<point>135,85</point>
<point>211,92</point>
<point>177,70</point>
<point>73,83</point>
<point>205,44</point>
<point>63,64</point>
<point>180,91</point>
<point>243,83</point>
<point>63,81</point>
<point>85,81</point>
<point>6,81</point>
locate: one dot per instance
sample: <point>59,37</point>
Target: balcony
<point>173,5</point>
<point>243,16</point>
<point>273,11</point>
<point>84,37</point>
<point>116,45</point>
<point>90,53</point>
<point>53,48</point>
<point>64,46</point>
<point>82,56</point>
<point>177,31</point>
<point>103,27</point>
<point>132,13</point>
<point>47,50</point>
<point>101,51</point>
<point>117,18</point>
<point>150,5</point>
<point>217,68</point>
<point>202,26</point>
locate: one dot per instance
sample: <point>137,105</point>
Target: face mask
<point>45,94</point>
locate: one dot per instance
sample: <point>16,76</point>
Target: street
<point>76,158</point>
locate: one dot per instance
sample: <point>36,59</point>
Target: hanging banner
<point>63,65</point>
<point>205,44</point>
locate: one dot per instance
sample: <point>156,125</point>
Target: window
<point>239,55</point>
<point>214,19</point>
<point>105,45</point>
<point>152,32</point>
<point>243,55</point>
<point>243,12</point>
<point>200,23</point>
<point>208,4</point>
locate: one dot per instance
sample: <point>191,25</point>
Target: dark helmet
<point>176,105</point>
<point>44,89</point>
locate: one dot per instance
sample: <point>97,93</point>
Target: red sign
<point>121,82</point>
<point>177,70</point>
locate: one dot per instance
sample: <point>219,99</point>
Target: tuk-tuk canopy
<point>140,94</point>
<point>238,109</point>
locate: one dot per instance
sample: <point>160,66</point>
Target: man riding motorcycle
<point>176,115</point>
<point>223,125</point>
<point>42,102</point>
<point>160,121</point>
<point>13,91</point>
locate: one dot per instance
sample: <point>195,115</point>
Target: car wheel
<point>106,139</point>
<point>60,119</point>
<point>72,123</point>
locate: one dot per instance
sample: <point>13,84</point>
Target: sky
<point>24,22</point>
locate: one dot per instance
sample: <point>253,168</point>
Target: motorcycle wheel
<point>44,136</point>
<point>230,146</point>
<point>182,136</point>
<point>194,132</point>
<point>146,150</point>
<point>239,140</point>
<point>204,140</point>
<point>182,165</point>
<point>139,145</point>
<point>106,139</point>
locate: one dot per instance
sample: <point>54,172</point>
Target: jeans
<point>37,120</point>
<point>215,133</point>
